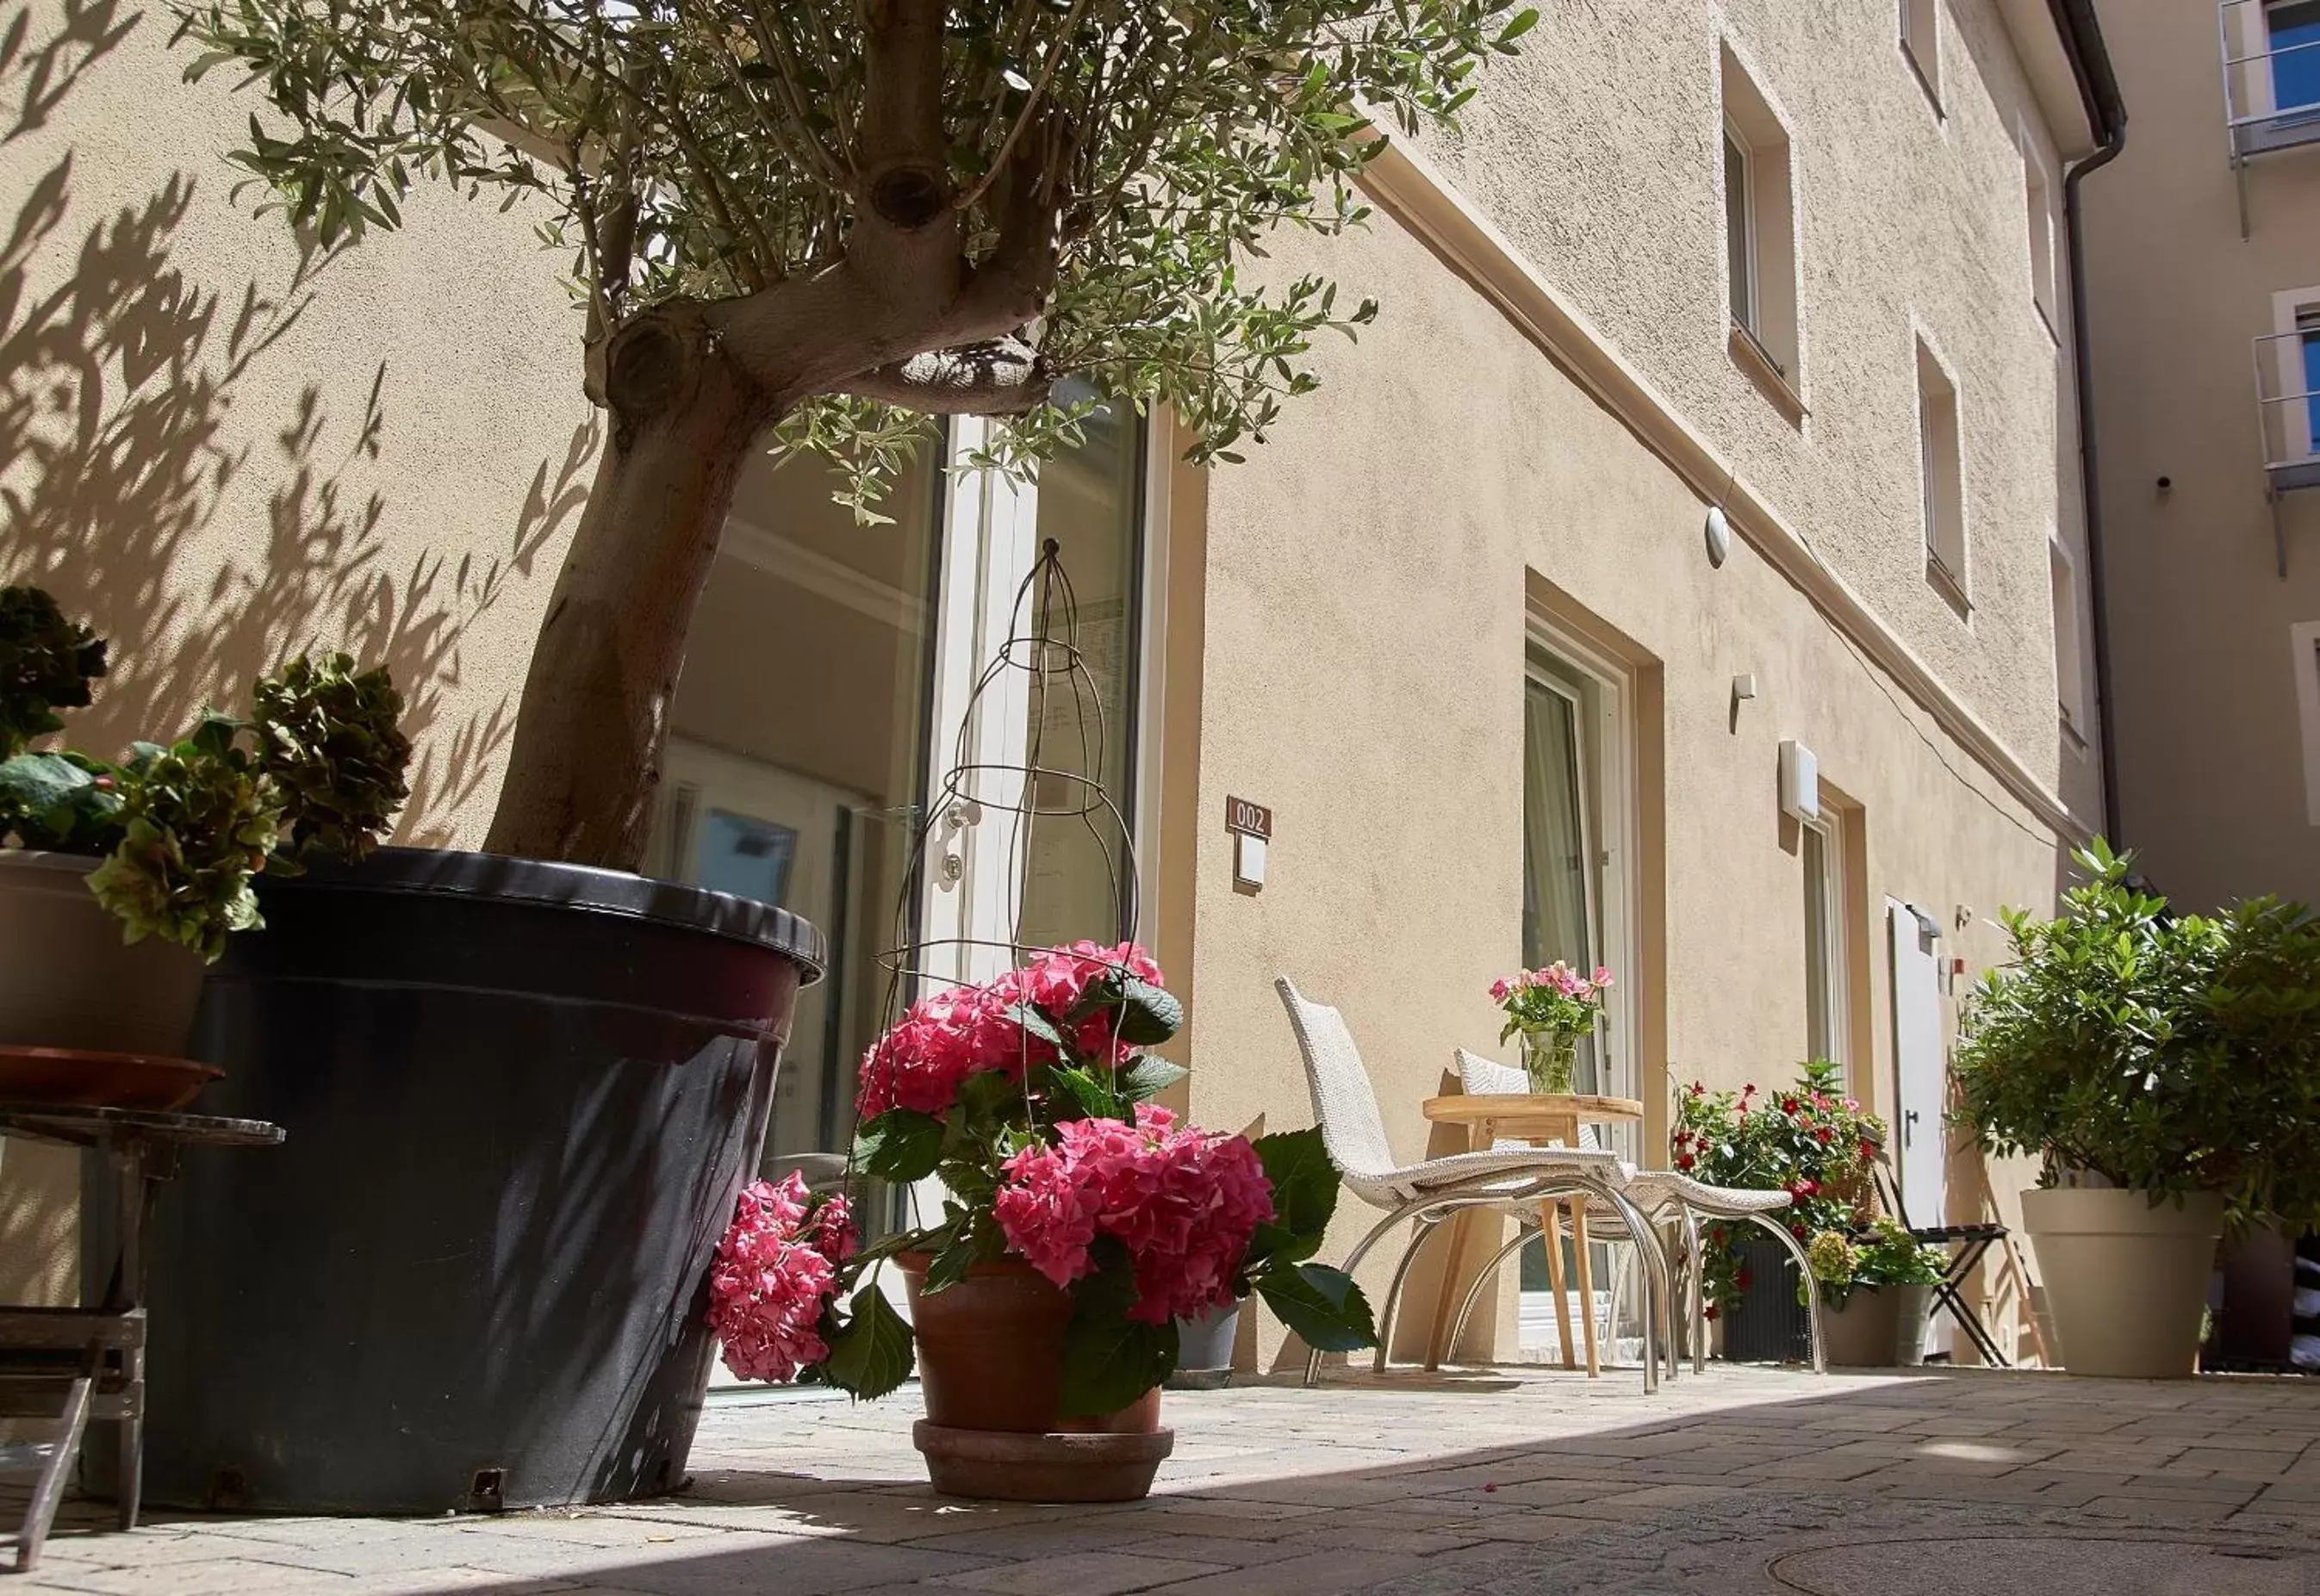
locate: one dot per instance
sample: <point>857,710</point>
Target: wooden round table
<point>1543,1118</point>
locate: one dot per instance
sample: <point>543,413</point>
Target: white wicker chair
<point>1665,1197</point>
<point>1507,1179</point>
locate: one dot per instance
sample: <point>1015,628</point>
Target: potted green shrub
<point>817,229</point>
<point>2162,1069</point>
<point>1876,1285</point>
<point>121,878</point>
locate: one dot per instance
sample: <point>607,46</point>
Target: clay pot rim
<point>917,1263</point>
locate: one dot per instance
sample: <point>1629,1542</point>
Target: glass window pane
<point>1738,237</point>
<point>795,759</point>
<point>1076,881</point>
<point>2295,28</point>
<point>1558,858</point>
<point>1820,995</point>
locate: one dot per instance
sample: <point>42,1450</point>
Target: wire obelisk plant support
<point>1079,1218</point>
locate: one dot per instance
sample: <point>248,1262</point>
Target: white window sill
<point>1752,357</point>
<point>1949,585</point>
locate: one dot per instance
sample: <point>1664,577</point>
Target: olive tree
<point>821,224</point>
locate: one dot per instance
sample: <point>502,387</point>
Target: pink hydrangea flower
<point>1183,1203</point>
<point>774,1273</point>
<point>922,1060</point>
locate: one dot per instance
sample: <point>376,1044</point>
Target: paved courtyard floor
<point>1741,1481</point>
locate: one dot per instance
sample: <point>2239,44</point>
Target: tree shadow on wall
<point>119,373</point>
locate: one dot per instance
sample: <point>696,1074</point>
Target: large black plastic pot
<point>520,1099</point>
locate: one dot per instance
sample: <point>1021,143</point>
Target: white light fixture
<point>1799,781</point>
<point>1719,536</point>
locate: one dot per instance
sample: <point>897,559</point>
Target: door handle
<point>1908,1123</point>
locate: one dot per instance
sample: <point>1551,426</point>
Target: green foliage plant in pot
<point>1082,1220</point>
<point>1875,1283</point>
<point>119,879</point>
<point>2162,1070</point>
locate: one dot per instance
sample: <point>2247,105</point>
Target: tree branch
<point>1000,376</point>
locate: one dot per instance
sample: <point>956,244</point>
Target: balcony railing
<point>2288,407</point>
<point>2272,90</point>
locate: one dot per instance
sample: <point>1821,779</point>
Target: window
<point>1739,229</point>
<point>2039,208</point>
<point>1821,846</point>
<point>2292,29</point>
<point>1942,503</point>
<point>2307,343</point>
<point>2303,648</point>
<point>2070,671</point>
<point>1574,796</point>
<point>1921,44</point>
<point>1759,229</point>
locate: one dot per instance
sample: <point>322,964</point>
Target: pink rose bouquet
<point>1030,1097</point>
<point>1551,1010</point>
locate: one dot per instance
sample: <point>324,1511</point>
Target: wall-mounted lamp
<point>1744,687</point>
<point>1799,781</point>
<point>1719,531</point>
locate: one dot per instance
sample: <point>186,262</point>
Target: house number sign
<point>1251,825</point>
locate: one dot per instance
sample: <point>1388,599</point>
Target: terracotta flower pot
<point>989,1367</point>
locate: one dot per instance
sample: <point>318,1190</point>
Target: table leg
<point>1550,1231</point>
<point>1586,1282</point>
<point>1447,1299</point>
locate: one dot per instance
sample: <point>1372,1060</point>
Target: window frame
<point>1742,259</point>
<point>1606,753</point>
<point>2038,217</point>
<point>2070,640</point>
<point>1941,476</point>
<point>1827,964</point>
<point>2304,646</point>
<point>1919,33</point>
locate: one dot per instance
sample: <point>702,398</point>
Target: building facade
<point>1685,574</point>
<point>2202,260</point>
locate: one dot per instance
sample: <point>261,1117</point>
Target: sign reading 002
<point>1251,820</point>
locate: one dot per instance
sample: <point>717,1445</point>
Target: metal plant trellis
<point>1060,782</point>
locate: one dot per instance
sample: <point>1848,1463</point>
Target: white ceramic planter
<point>67,980</point>
<point>2127,1282</point>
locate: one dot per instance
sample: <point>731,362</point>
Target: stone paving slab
<point>1505,1482</point>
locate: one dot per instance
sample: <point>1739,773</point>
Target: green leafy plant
<point>47,663</point>
<point>2163,1054</point>
<point>327,739</point>
<point>1879,1253</point>
<point>1809,1140</point>
<point>830,224</point>
<point>197,819</point>
<point>184,830</point>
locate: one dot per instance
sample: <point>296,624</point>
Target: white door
<point>1920,1063</point>
<point>1921,1069</point>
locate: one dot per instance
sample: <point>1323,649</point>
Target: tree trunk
<point>585,759</point>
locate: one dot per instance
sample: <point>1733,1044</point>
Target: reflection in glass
<point>1075,865</point>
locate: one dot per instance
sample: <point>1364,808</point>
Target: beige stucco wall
<point>220,451</point>
<point>2210,758</point>
<point>1371,574</point>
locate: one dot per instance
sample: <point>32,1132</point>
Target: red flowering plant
<point>1030,1097</point>
<point>1809,1140</point>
